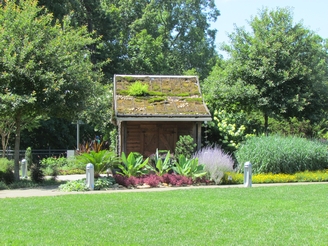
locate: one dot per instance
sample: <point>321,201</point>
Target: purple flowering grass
<point>216,161</point>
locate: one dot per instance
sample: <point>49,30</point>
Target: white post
<point>248,174</point>
<point>24,168</point>
<point>90,176</point>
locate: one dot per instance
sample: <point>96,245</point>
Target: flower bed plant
<point>307,176</point>
<point>102,183</point>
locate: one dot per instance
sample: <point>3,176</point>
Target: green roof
<point>162,97</point>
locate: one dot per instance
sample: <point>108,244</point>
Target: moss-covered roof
<point>158,96</point>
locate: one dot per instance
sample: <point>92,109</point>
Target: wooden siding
<point>145,137</point>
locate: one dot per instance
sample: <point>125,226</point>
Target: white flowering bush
<point>232,132</point>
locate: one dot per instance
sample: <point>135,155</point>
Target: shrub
<point>152,180</point>
<point>76,185</point>
<point>134,181</point>
<point>36,174</point>
<point>294,126</point>
<point>129,181</point>
<point>122,180</point>
<point>104,183</point>
<point>6,171</point>
<point>277,154</point>
<point>6,164</point>
<point>188,167</point>
<point>232,178</point>
<point>3,186</point>
<point>71,171</point>
<point>133,165</point>
<point>28,157</point>
<point>54,161</point>
<point>51,165</point>
<point>101,160</point>
<point>7,176</point>
<point>215,162</point>
<point>176,180</point>
<point>159,163</point>
<point>185,146</point>
<point>183,180</point>
<point>113,139</point>
<point>231,134</point>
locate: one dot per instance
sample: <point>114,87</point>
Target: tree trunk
<point>266,123</point>
<point>3,143</point>
<point>17,146</point>
<point>5,136</point>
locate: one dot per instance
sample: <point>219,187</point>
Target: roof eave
<point>201,118</point>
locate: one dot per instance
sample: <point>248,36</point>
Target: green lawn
<point>277,215</point>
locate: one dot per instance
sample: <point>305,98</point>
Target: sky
<point>313,14</point>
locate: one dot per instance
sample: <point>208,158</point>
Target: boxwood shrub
<point>279,154</point>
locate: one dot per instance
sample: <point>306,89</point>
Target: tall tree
<point>45,68</point>
<point>143,37</point>
<point>147,37</point>
<point>279,68</point>
<point>173,37</point>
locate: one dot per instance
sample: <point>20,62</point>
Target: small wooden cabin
<point>170,106</point>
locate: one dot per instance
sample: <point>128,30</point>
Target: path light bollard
<point>24,168</point>
<point>248,174</point>
<point>90,171</point>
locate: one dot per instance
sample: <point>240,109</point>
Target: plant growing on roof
<point>133,165</point>
<point>138,89</point>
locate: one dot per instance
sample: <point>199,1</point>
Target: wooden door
<point>149,140</point>
<point>167,138</point>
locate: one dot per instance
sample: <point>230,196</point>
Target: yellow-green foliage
<point>316,176</point>
<point>138,89</point>
<point>273,178</point>
<point>157,99</point>
<point>238,178</point>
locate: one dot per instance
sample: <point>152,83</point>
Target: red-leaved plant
<point>152,180</point>
<point>176,180</point>
<point>122,180</point>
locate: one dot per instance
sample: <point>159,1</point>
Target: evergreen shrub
<point>37,175</point>
<point>278,154</point>
<point>3,186</point>
<point>185,146</point>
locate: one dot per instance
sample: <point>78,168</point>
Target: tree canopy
<point>45,67</point>
<point>147,37</point>
<point>279,68</point>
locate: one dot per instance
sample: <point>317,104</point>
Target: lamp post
<point>77,135</point>
<point>78,123</point>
